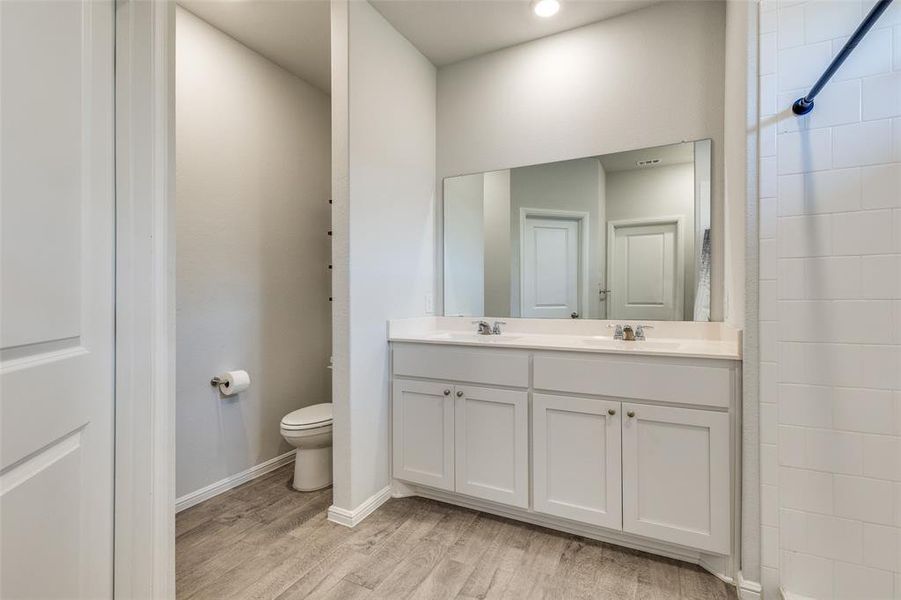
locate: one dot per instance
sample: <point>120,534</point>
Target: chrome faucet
<point>627,333</point>
<point>484,327</point>
<point>639,332</point>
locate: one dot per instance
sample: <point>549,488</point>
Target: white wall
<point>739,149</point>
<point>830,305</point>
<point>387,230</point>
<point>654,192</point>
<point>252,187</point>
<point>647,78</point>
<point>572,185</point>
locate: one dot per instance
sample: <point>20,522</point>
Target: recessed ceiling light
<point>545,8</point>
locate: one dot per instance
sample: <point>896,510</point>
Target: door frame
<point>679,220</point>
<point>584,249</point>
<point>144,536</point>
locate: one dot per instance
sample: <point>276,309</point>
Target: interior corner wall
<point>739,93</point>
<point>619,84</point>
<point>740,253</point>
<point>252,187</point>
<point>389,228</point>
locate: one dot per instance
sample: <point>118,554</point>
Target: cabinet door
<point>423,433</point>
<point>492,447</point>
<point>676,475</point>
<point>577,459</point>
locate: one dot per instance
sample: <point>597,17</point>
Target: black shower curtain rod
<point>804,105</point>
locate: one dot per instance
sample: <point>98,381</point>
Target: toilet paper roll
<point>233,382</point>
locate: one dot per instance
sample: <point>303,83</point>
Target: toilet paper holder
<point>230,382</point>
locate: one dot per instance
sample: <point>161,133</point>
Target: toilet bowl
<point>310,431</point>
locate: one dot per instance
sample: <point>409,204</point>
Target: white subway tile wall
<point>830,304</point>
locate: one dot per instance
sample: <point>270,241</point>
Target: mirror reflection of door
<point>550,266</point>
<point>645,269</point>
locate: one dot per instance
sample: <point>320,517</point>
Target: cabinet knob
<point>611,412</point>
<point>631,413</point>
<point>459,394</point>
<point>447,392</point>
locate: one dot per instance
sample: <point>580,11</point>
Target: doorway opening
<point>253,279</point>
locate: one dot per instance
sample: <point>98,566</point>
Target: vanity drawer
<point>455,363</point>
<point>683,382</point>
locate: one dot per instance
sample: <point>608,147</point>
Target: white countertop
<point>686,340</point>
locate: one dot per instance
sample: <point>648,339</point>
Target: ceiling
<point>294,34</point>
<point>447,31</point>
<point>672,154</point>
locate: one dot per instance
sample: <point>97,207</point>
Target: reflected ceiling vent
<point>648,163</point>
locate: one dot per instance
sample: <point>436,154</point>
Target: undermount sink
<point>465,336</point>
<point>607,342</point>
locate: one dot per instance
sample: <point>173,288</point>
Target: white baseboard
<point>223,485</point>
<point>351,518</point>
<point>748,590</point>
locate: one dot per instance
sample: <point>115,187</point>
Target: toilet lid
<point>316,415</point>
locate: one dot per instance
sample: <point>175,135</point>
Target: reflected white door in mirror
<point>555,423</point>
<point>645,263</point>
<point>553,256</point>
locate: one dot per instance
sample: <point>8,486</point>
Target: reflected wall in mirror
<point>621,236</point>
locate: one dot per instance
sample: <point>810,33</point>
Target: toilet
<point>309,430</point>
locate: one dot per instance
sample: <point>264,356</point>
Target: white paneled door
<point>57,312</point>
<point>577,457</point>
<point>676,475</point>
<point>645,268</point>
<point>550,267</point>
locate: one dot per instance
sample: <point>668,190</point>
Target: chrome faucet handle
<point>496,328</point>
<point>639,331</point>
<point>617,331</point>
<point>484,327</point>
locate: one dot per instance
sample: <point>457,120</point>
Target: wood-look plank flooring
<point>264,541</point>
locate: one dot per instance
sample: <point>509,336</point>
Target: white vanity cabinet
<point>452,435</point>
<point>462,438</point>
<point>635,449</point>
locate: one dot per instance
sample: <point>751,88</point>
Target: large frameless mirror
<point>621,236</point>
